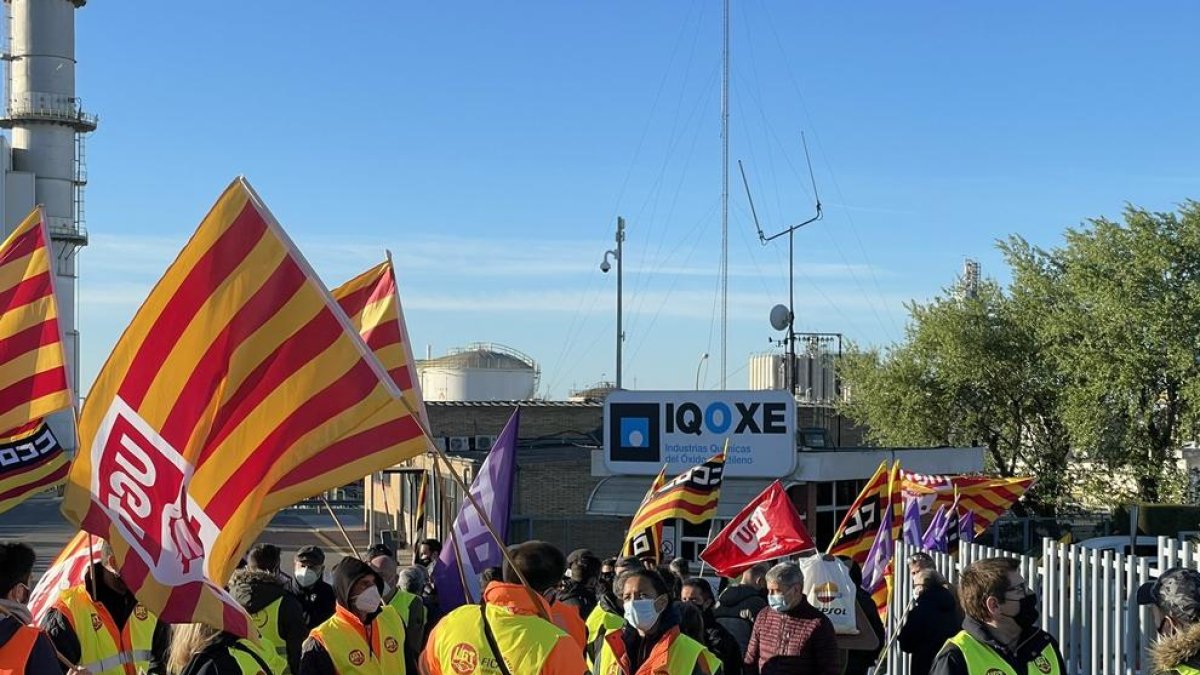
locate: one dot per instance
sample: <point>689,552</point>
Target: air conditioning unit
<point>484,443</point>
<point>458,443</point>
<point>442,443</point>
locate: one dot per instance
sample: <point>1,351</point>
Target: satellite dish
<point>780,317</point>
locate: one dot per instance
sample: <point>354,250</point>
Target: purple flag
<point>912,522</point>
<point>875,566</point>
<point>935,536</point>
<point>966,526</point>
<point>470,540</point>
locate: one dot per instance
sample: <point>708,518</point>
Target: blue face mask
<point>777,602</point>
<point>641,614</point>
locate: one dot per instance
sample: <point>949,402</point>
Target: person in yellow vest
<point>198,649</point>
<point>546,566</point>
<point>276,613</point>
<point>23,648</point>
<point>403,592</point>
<point>364,636</point>
<point>1000,632</point>
<point>652,641</point>
<point>508,633</point>
<point>1174,600</point>
<point>609,614</point>
<point>101,626</point>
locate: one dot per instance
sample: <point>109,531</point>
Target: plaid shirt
<point>800,641</point>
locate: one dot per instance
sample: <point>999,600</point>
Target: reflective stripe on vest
<point>345,639</point>
<point>983,659</point>
<point>675,651</point>
<point>1184,669</point>
<point>267,622</point>
<point>526,641</point>
<point>601,621</point>
<point>403,601</point>
<point>14,655</point>
<point>249,666</point>
<point>103,649</point>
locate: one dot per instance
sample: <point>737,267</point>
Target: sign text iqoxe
<point>646,429</point>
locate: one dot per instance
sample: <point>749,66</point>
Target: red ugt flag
<point>768,528</point>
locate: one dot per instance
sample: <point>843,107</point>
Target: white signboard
<point>645,429</point>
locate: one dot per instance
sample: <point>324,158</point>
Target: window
<point>693,538</point>
<point>834,499</point>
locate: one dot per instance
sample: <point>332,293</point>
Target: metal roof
<point>532,403</point>
<point>487,356</point>
<point>621,495</point>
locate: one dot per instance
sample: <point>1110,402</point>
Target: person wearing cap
<point>101,626</point>
<point>609,614</point>
<point>364,636</point>
<point>308,586</point>
<point>578,588</point>
<point>23,648</point>
<point>1174,600</point>
<point>509,627</point>
<point>1000,632</point>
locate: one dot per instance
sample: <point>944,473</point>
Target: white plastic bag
<point>828,587</point>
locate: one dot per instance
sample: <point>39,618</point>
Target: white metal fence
<point>1087,600</point>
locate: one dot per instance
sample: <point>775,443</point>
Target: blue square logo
<point>635,432</point>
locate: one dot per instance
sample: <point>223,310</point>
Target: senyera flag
<point>648,542</point>
<point>33,373</point>
<point>237,369</point>
<point>768,528</point>
<point>373,307</point>
<point>986,497</point>
<point>67,570</point>
<point>857,530</point>
<point>691,496</point>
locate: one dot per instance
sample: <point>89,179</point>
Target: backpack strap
<point>491,640</point>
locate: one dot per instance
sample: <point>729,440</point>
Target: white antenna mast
<point>725,203</point>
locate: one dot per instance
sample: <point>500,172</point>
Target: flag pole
<point>483,517</point>
<point>458,561</point>
<point>62,659</point>
<point>712,523</point>
<point>329,508</point>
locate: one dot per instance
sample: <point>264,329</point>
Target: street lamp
<point>605,267</point>
<point>703,358</point>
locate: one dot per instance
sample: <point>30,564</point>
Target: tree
<point>970,372</point>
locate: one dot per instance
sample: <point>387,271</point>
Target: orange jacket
<point>567,618</point>
<point>457,643</point>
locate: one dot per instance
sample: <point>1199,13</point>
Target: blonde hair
<point>187,640</point>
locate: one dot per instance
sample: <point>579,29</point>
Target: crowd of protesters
<point>543,612</point>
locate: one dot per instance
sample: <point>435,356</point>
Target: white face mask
<point>307,576</point>
<point>369,600</point>
<point>641,614</point>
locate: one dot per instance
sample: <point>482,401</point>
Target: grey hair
<point>786,574</point>
<point>412,579</point>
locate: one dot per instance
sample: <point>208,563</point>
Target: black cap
<point>629,561</point>
<point>311,555</point>
<point>1176,593</point>
<point>380,550</point>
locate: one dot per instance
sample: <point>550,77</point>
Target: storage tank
<point>766,371</point>
<point>479,372</point>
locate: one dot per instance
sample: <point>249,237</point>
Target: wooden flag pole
<point>349,543</point>
<point>458,559</point>
<point>713,522</point>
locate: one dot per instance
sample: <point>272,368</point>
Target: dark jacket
<point>579,595</point>
<point>950,660</point>
<point>722,643</point>
<point>858,661</point>
<point>316,601</point>
<point>800,640</point>
<point>256,590</point>
<point>736,609</point>
<point>42,658</point>
<point>1182,648</point>
<point>217,658</point>
<point>933,619</point>
<point>314,660</point>
<point>119,606</point>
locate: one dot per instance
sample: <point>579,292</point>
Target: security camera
<point>604,266</point>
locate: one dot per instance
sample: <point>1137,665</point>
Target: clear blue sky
<point>491,146</point>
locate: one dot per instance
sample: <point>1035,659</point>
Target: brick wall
<point>537,421</point>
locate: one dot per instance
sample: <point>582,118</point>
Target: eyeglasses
<point>1024,590</point>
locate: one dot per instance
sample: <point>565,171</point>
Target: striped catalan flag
<point>237,369</point>
<point>648,542</point>
<point>856,532</point>
<point>373,307</point>
<point>986,497</point>
<point>33,374</point>
<point>692,496</point>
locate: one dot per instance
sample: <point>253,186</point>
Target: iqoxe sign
<point>645,429</point>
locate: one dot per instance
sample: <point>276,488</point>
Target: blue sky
<point>491,146</point>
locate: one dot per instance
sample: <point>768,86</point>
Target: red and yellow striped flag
<point>371,303</point>
<point>237,369</point>
<point>987,497</point>
<point>856,533</point>
<point>33,373</point>
<point>648,542</point>
<point>692,496</point>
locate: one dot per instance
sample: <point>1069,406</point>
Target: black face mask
<point>607,579</point>
<point>1027,616</point>
<point>423,560</point>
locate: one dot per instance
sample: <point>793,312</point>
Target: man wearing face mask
<point>364,636</point>
<point>1174,600</point>
<point>699,593</point>
<point>428,551</point>
<point>1000,630</point>
<point>308,586</point>
<point>261,589</point>
<point>609,614</point>
<point>113,627</point>
<point>791,636</point>
<point>23,648</point>
<point>407,604</point>
<point>651,641</point>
